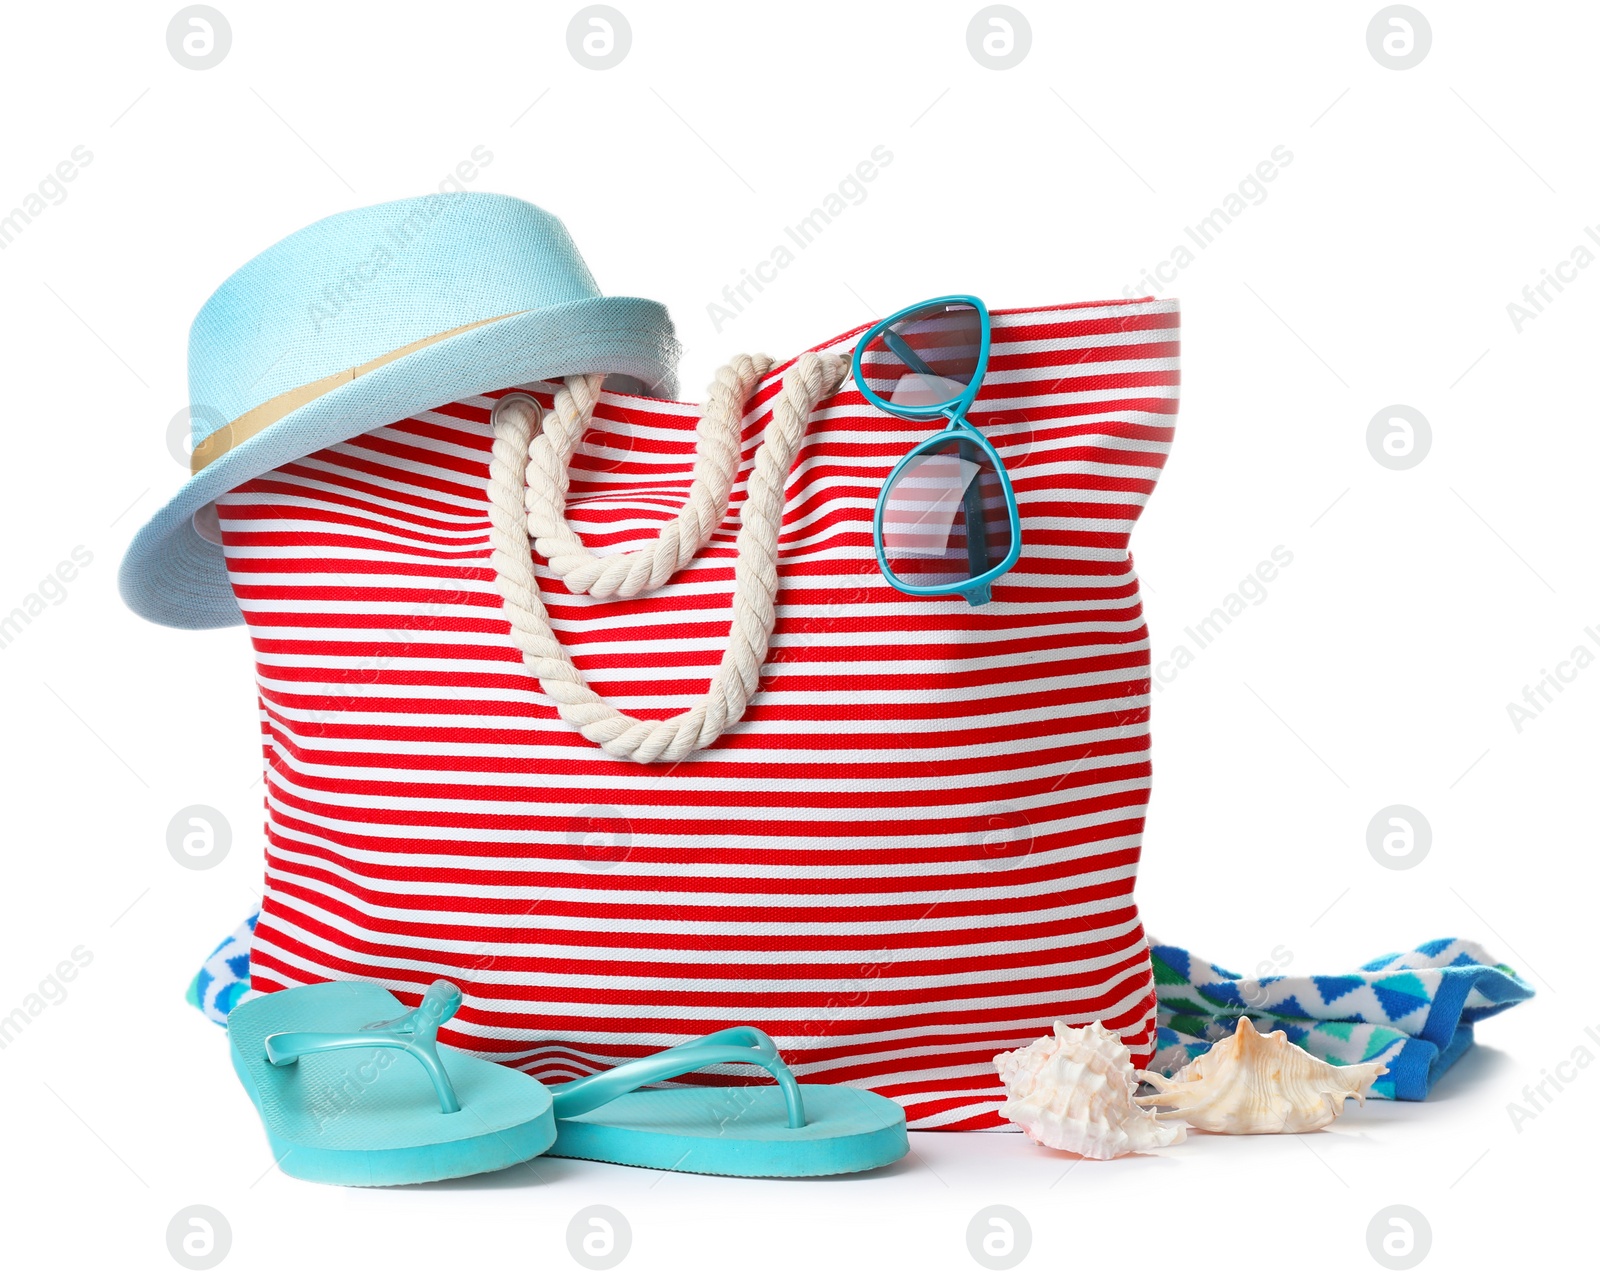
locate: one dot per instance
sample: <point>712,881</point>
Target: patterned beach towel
<point>224,981</point>
<point>1412,1011</point>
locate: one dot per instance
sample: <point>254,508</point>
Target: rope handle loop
<point>529,478</point>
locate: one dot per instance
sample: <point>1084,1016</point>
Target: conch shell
<point>1254,1084</point>
<point>1074,1091</point>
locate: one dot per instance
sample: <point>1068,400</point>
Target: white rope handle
<point>528,484</point>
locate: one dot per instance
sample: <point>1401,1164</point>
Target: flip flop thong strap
<point>415,1033</point>
<point>741,1045</point>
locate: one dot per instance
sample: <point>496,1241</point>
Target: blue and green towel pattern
<point>224,981</point>
<point>1412,1011</point>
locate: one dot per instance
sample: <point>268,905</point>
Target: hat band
<point>252,423</point>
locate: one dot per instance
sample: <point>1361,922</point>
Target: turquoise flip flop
<point>787,1130</point>
<point>354,1089</point>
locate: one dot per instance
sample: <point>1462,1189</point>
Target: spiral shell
<point>1259,1084</point>
<point>1074,1091</point>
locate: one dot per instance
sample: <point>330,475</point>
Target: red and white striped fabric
<point>918,848</point>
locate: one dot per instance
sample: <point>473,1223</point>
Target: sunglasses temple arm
<point>907,356</point>
<point>977,533</point>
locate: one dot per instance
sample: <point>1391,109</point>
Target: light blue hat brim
<point>173,576</point>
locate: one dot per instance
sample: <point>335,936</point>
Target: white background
<point>1377,670</point>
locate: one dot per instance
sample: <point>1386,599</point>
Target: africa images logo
<point>49,193</point>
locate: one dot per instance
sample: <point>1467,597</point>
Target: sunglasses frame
<point>974,589</point>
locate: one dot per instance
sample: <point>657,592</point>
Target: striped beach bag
<point>912,845</point>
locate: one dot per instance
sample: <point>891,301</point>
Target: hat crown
<point>362,284</point>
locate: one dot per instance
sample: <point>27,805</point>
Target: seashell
<point>1255,1084</point>
<point>1074,1091</point>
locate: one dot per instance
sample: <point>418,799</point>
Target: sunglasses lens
<point>927,358</point>
<point>944,516</point>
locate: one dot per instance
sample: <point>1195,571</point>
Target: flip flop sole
<point>739,1130</point>
<point>368,1116</point>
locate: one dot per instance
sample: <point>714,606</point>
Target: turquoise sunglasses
<point>946,519</point>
